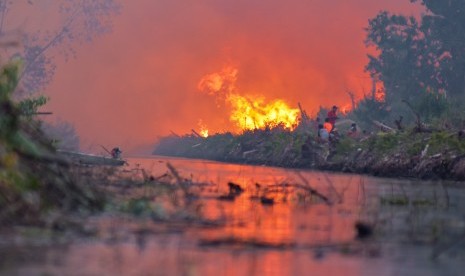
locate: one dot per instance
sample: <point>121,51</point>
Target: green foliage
<point>369,109</point>
<point>8,81</point>
<point>416,147</point>
<point>395,200</point>
<point>138,207</point>
<point>14,179</point>
<point>31,180</point>
<point>444,141</point>
<point>432,105</point>
<point>384,142</point>
<point>29,106</point>
<point>345,145</point>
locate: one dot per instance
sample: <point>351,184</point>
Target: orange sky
<point>140,81</point>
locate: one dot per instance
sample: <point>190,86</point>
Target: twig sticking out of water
<point>174,172</point>
<point>305,188</point>
<point>312,190</point>
<point>330,183</point>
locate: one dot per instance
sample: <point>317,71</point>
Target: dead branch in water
<point>174,172</point>
<point>305,187</point>
<point>330,183</point>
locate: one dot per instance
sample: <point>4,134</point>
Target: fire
<point>221,82</point>
<point>203,129</point>
<point>254,113</point>
<point>345,109</point>
<point>247,112</point>
<point>204,133</point>
<point>380,93</point>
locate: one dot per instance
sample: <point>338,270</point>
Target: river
<point>297,235</point>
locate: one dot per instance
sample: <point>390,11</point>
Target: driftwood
<point>246,153</point>
<point>383,127</point>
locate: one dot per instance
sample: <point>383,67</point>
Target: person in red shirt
<point>332,115</point>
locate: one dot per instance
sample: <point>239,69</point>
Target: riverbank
<point>438,155</point>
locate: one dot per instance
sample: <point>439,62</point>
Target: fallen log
<point>383,127</point>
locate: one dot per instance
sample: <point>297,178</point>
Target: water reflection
<point>298,234</point>
<point>292,219</point>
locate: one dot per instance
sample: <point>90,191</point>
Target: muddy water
<point>297,235</point>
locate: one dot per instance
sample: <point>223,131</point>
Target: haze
<point>140,82</point>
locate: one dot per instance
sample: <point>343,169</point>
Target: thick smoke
<point>142,80</point>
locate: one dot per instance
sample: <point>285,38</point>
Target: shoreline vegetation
<point>387,153</point>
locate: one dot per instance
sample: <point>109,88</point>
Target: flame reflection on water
<point>144,247</point>
<point>290,219</point>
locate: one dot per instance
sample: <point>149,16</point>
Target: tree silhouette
<point>445,23</point>
<point>80,21</point>
<point>414,56</point>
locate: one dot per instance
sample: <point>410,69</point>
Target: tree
<point>417,57</point>
<point>407,63</point>
<point>63,134</point>
<point>79,21</point>
<point>445,24</point>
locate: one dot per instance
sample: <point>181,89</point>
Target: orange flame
<point>380,93</point>
<point>221,82</point>
<point>345,109</point>
<point>204,133</point>
<point>203,129</point>
<point>248,112</point>
<point>254,113</point>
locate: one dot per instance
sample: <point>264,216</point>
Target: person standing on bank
<point>332,115</point>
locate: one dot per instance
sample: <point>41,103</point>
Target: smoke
<point>142,80</point>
